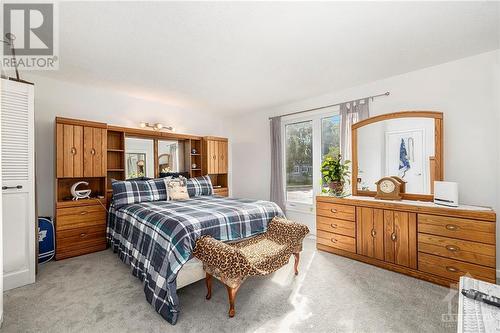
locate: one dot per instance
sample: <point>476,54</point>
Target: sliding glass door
<point>299,162</point>
<point>307,140</point>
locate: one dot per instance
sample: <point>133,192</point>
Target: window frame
<point>316,119</point>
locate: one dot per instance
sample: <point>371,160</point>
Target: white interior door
<point>416,176</point>
<point>18,188</point>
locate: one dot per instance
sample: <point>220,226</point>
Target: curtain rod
<point>329,106</point>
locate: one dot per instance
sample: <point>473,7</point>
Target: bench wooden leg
<point>208,282</point>
<point>296,266</point>
<point>231,292</point>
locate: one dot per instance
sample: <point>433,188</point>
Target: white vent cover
<point>15,131</point>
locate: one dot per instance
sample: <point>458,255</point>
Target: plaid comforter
<point>157,238</point>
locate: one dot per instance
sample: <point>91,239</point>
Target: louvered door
<point>18,188</point>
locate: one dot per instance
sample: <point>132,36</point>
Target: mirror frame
<point>438,147</point>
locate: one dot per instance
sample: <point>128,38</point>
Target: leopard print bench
<point>232,263</point>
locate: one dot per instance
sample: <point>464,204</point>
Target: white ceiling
<point>231,57</point>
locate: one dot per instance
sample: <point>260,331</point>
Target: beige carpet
<point>97,293</point>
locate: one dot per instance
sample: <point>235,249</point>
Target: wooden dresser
<point>421,239</point>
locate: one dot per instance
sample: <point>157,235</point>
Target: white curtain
<point>277,188</point>
<point>351,113</point>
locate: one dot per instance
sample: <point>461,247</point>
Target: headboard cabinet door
<point>69,150</point>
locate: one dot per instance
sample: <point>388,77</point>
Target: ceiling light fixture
<point>156,126</point>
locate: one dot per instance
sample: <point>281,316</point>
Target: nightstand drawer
<point>90,247</point>
<point>342,227</point>
<point>473,252</point>
<point>453,269</point>
<point>77,241</point>
<point>222,191</point>
<point>472,230</point>
<point>74,217</point>
<point>80,237</point>
<point>337,241</point>
<point>337,211</point>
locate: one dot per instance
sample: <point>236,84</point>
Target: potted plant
<point>335,173</point>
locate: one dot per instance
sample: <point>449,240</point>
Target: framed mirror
<point>139,158</point>
<point>406,144</point>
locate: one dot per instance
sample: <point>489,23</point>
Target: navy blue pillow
<point>199,186</point>
<point>126,192</point>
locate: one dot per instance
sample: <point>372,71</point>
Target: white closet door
<point>18,187</point>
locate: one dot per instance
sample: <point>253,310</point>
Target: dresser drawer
<point>74,217</point>
<point>473,230</point>
<point>473,252</point>
<point>453,269</point>
<point>337,241</point>
<point>342,227</point>
<point>337,211</point>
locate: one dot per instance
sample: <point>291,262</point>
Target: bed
<point>156,239</point>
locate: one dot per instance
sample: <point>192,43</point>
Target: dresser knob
<point>374,233</point>
<point>451,227</point>
<point>83,235</point>
<point>452,248</point>
<point>333,210</point>
<point>393,237</point>
<point>452,269</point>
<point>83,212</point>
<point>334,240</point>
<point>334,226</point>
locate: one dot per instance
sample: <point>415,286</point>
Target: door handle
<point>393,237</point>
<point>12,187</point>
<point>374,233</point>
<point>92,151</point>
<point>73,150</point>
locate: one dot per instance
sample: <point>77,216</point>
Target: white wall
<point>58,98</point>
<point>466,90</point>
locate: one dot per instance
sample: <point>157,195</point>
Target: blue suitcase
<point>46,240</point>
